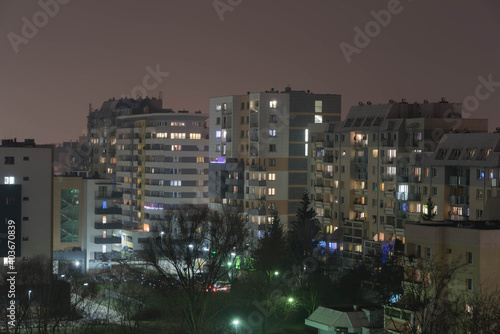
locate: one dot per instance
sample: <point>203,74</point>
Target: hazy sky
<point>88,51</point>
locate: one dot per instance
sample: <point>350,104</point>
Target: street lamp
<point>290,300</point>
<point>236,322</point>
<point>276,273</point>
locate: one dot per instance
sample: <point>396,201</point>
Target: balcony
<point>402,196</point>
<point>360,143</point>
<point>361,176</point>
<point>318,190</point>
<point>361,160</point>
<point>414,216</point>
<point>327,190</point>
<point>257,212</point>
<point>459,200</point>
<point>108,226</point>
<point>459,218</point>
<point>414,197</point>
<point>108,211</point>
<point>257,167</point>
<point>389,211</point>
<point>458,181</point>
<point>389,228</point>
<point>113,195</point>
<point>358,192</point>
<point>389,193</point>
<point>403,178</point>
<point>415,178</point>
<point>360,207</point>
<point>387,177</point>
<point>389,161</point>
<point>107,256</point>
<point>387,142</point>
<point>110,240</point>
<point>256,183</point>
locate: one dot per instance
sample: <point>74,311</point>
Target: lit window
<point>176,147</point>
<point>195,136</point>
<point>318,106</point>
<point>375,153</point>
<point>218,107</point>
<point>217,134</point>
<point>271,191</point>
<point>318,119</point>
<point>200,159</point>
<point>272,177</point>
<point>104,219</point>
<point>9,180</point>
<point>104,249</point>
<point>272,133</point>
<point>177,136</point>
<point>273,104</point>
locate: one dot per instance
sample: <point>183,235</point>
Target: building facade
<point>26,198</point>
<point>363,175</point>
<point>259,147</point>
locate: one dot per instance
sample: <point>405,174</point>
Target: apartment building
<point>102,123</point>
<point>362,176</point>
<point>162,163</point>
<point>259,147</point>
<point>459,176</point>
<point>471,250</point>
<point>26,197</point>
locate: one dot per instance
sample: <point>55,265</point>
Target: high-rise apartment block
<point>162,162</point>
<point>364,178</point>
<point>26,198</point>
<point>259,147</point>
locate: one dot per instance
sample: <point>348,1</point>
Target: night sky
<point>90,51</point>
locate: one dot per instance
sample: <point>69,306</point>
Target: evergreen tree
<point>430,210</point>
<point>304,231</point>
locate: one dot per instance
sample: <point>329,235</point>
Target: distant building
<point>258,150</point>
<point>26,198</point>
<point>101,126</point>
<point>347,319</point>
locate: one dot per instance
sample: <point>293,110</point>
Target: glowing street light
<point>233,254</point>
<point>236,322</point>
<point>276,273</point>
<point>290,300</point>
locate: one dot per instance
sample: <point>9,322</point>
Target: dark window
<point>26,198</point>
<point>26,178</point>
<point>10,201</point>
<point>26,238</point>
<point>25,219</point>
<point>9,160</point>
<point>272,148</point>
<point>26,158</point>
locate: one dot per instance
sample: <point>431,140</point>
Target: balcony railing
<point>413,216</point>
<point>459,200</point>
<point>110,240</point>
<point>389,211</point>
<point>458,181</point>
<point>110,226</point>
<point>414,197</point>
<point>108,211</point>
<point>389,193</point>
<point>458,217</point>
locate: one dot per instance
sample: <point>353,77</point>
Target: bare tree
<point>425,306</point>
<point>192,249</point>
<point>478,312</point>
